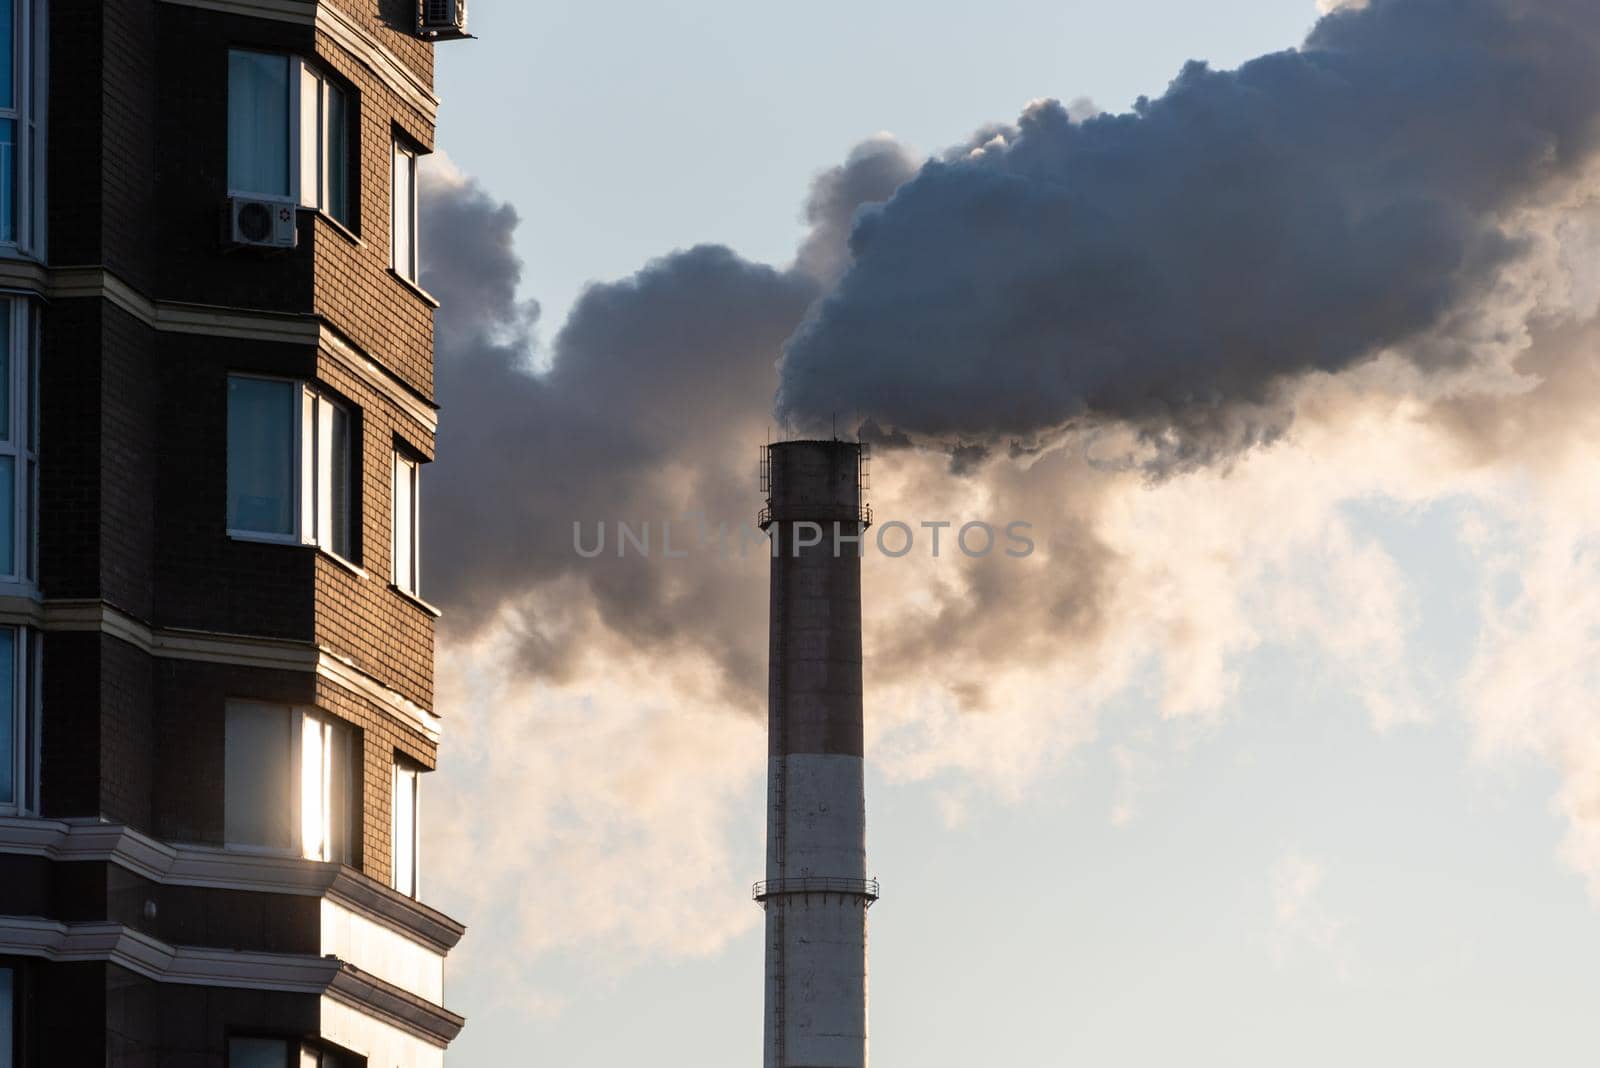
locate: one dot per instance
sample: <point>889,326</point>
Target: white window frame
<point>407,780</point>
<point>25,701</point>
<point>300,719</point>
<point>312,496</point>
<point>300,139</point>
<point>407,472</point>
<point>411,269</point>
<point>30,72</point>
<point>22,446</point>
<point>317,455</point>
<point>313,135</point>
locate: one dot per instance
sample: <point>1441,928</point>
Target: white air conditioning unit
<point>442,18</point>
<point>262,223</point>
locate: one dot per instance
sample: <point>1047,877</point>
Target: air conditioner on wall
<point>262,223</point>
<point>442,18</point>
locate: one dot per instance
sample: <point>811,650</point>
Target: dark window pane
<point>11,739</point>
<point>258,123</point>
<point>8,180</point>
<point>338,154</point>
<point>8,515</point>
<point>258,1053</point>
<point>261,455</point>
<point>8,1016</point>
<point>8,359</point>
<point>340,485</point>
<point>8,56</point>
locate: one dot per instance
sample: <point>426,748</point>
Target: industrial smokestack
<point>816,893</point>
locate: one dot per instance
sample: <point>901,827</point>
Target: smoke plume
<point>1176,266</point>
<point>1371,257</point>
<point>654,396</point>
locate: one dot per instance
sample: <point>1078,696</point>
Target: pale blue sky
<point>1444,928</point>
<point>637,128</point>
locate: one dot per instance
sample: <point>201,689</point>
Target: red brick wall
<point>133,503</point>
<point>394,23</point>
<point>364,618</point>
<point>354,287</point>
<point>134,420</point>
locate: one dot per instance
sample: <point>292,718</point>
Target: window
<point>260,141</point>
<point>324,145</point>
<point>326,456</point>
<point>287,781</point>
<point>407,780</point>
<point>323,1058</point>
<point>291,462</point>
<point>407,542</point>
<point>19,721</point>
<point>278,1053</point>
<point>403,212</point>
<point>288,132</point>
<point>261,456</point>
<point>8,1017</point>
<point>21,135</point>
<point>259,1053</point>
<point>19,468</point>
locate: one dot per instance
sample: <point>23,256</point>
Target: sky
<point>1281,750</point>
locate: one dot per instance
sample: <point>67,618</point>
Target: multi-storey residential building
<point>216,662</point>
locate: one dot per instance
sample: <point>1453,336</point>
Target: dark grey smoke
<point>651,403</point>
<point>1165,268</point>
<point>1170,267</point>
<point>871,174</point>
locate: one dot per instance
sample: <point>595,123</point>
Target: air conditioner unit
<point>442,18</point>
<point>262,223</point>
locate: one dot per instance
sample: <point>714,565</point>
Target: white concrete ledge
<point>292,973</point>
<point>71,841</point>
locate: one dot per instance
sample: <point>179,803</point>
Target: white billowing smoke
<point>616,706</point>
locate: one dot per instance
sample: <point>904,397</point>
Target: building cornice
<point>154,959</point>
<point>343,672</point>
<point>178,317</point>
<point>208,867</point>
<point>350,35</point>
<point>292,973</point>
<point>420,1017</point>
<point>352,359</point>
<point>21,610</point>
<point>21,275</point>
<point>238,649</point>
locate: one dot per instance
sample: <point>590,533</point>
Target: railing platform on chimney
<point>816,884</point>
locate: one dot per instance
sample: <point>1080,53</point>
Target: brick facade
<point>153,617</point>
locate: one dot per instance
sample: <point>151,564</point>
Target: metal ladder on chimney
<point>777,905</point>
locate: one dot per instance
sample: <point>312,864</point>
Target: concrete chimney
<point>816,893</point>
